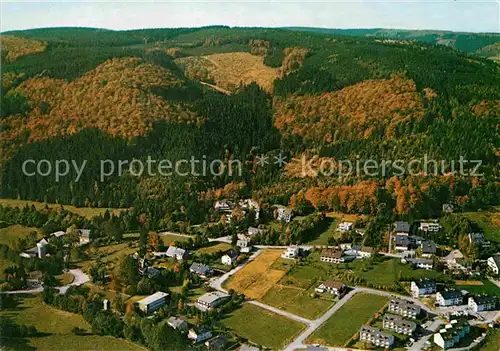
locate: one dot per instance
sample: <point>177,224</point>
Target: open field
<point>214,248</point>
<point>488,221</point>
<point>346,322</point>
<point>298,301</point>
<point>263,327</point>
<point>322,238</point>
<point>10,234</point>
<point>258,276</point>
<point>87,212</point>
<point>83,342</point>
<point>170,239</point>
<point>31,311</point>
<point>229,70</point>
<point>486,287</point>
<point>109,255</point>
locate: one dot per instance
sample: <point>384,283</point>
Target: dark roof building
<point>200,269</point>
<point>401,227</point>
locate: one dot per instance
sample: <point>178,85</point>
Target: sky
<point>456,15</point>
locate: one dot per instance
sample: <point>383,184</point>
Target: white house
<point>405,308</point>
<point>451,333</point>
<point>423,287</point>
<point>494,263</point>
<point>229,258</point>
<point>334,287</point>
<point>481,303</point>
<point>398,324</point>
<point>210,300</point>
<point>291,252</point>
<point>429,227</point>
<point>152,302</point>
<point>177,323</point>
<point>254,231</point>
<point>199,334</point>
<point>449,298</point>
<point>283,213</point>
<point>419,262</point>
<point>345,227</point>
<point>244,243</point>
<point>58,234</point>
<point>359,251</point>
<point>224,206</point>
<point>376,337</point>
<point>177,253</point>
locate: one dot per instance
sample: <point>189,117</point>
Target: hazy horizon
<point>445,15</point>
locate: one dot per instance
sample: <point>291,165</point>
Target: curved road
<point>80,279</point>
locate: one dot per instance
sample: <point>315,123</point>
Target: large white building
<point>211,300</point>
<point>405,308</point>
<point>429,227</point>
<point>423,287</point>
<point>291,252</point>
<point>481,303</point>
<point>494,263</point>
<point>152,302</point>
<point>449,298</point>
<point>376,337</point>
<point>398,324</point>
<point>345,227</point>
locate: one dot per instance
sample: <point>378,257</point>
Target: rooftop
<point>402,226</point>
<point>210,297</point>
<point>333,253</point>
<point>152,298</point>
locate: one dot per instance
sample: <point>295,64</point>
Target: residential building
<point>358,251</point>
<point>447,208</point>
<point>402,242</point>
<point>429,227</point>
<point>211,300</point>
<point>201,269</point>
<point>199,334</point>
<point>244,245</point>
<point>151,272</point>
<point>376,337</point>
<point>291,252</point>
<point>177,323</point>
<point>332,256</point>
<point>84,235</point>
<point>250,204</point>
<point>224,206</point>
<point>177,253</point>
<point>152,302</point>
<point>449,298</point>
<point>398,324</point>
<point>428,248</point>
<point>360,231</point>
<point>402,227</point>
<point>42,248</point>
<point>494,263</point>
<point>334,287</point>
<point>230,257</point>
<point>451,259</point>
<point>254,231</point>
<point>217,343</point>
<point>345,227</point>
<point>419,262</point>
<point>283,213</point>
<point>58,234</point>
<point>481,303</point>
<point>405,308</point>
<point>423,287</point>
<point>451,334</point>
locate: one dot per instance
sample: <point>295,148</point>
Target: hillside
<point>134,94</point>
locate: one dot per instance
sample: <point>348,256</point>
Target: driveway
<point>80,279</point>
<point>216,282</point>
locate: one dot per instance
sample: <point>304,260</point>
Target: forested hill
<point>94,94</point>
<point>483,44</point>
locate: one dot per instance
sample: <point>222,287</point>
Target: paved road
<point>298,343</point>
<point>419,344</point>
<point>216,282</point>
<point>176,234</point>
<point>281,312</point>
<point>79,279</point>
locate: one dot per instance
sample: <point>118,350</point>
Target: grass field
<point>214,248</point>
<point>258,276</point>
<point>322,238</point>
<point>55,327</point>
<point>263,327</point>
<point>9,235</point>
<point>170,239</point>
<point>87,212</point>
<point>298,301</point>
<point>108,255</point>
<point>346,322</point>
<point>486,288</point>
<point>488,221</point>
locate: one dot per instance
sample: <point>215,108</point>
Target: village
<point>413,294</point>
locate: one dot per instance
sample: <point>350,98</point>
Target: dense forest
<point>91,94</point>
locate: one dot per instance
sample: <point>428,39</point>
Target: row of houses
<point>452,333</point>
<point>198,334</point>
<point>205,302</point>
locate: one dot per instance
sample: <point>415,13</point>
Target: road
<point>80,278</point>
<point>216,282</point>
<point>281,312</point>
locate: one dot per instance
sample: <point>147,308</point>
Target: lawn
<point>31,311</point>
<point>87,212</point>
<point>171,239</point>
<point>298,301</point>
<point>83,342</point>
<point>214,248</point>
<point>258,276</point>
<point>346,322</point>
<point>488,221</point>
<point>9,235</point>
<point>262,327</point>
<point>486,288</point>
<point>322,238</point>
<point>108,255</point>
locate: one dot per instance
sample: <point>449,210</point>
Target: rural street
<point>281,312</point>
<point>216,282</point>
